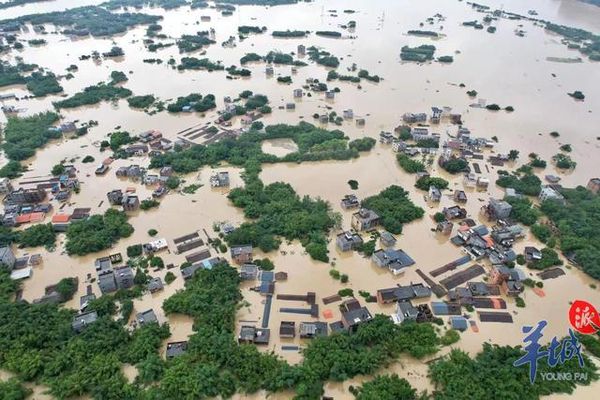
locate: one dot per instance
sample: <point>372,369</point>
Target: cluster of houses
<point>27,205</point>
<point>387,257</point>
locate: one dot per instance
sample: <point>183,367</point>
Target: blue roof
<point>459,323</point>
<point>267,276</point>
<point>481,230</point>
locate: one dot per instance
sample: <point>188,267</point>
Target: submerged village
<point>295,199</point>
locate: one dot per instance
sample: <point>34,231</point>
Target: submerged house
<point>253,335</point>
<point>348,240</point>
<point>220,179</point>
<point>241,254</point>
<point>394,260</point>
<point>364,219</point>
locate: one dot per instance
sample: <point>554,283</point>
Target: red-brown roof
<point>60,218</point>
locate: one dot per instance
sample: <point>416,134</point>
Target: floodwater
<point>279,147</point>
<point>502,67</point>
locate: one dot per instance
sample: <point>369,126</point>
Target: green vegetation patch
<point>97,233</point>
<point>394,207</point>
<point>22,136</point>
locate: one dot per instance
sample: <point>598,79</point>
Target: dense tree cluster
<point>385,387</point>
<point>362,144</point>
<point>322,57</point>
<point>409,165</point>
<point>394,207</point>
<point>578,222</point>
<point>277,211</point>
<point>314,144</point>
<point>455,165</point>
<point>458,376</point>
<point>563,161</point>
<point>38,344</point>
<point>194,63</point>
<point>82,21</point>
<point>141,101</point>
<point>523,210</point>
<point>420,53</point>
<point>195,101</point>
<point>96,233</point>
<point>425,182</point>
<point>22,136</point>
<point>41,84</point>
<point>528,184</point>
<point>549,259</point>
<point>94,95</point>
<point>12,169</point>
<point>37,235</point>
<point>12,389</point>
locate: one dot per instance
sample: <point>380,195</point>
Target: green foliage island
<point>194,63</point>
<point>322,57</point>
<point>97,233</point>
<point>195,102</point>
<point>417,32</point>
<point>527,184</point>
<point>22,136</point>
<point>289,34</point>
<point>141,101</point>
<point>425,182</point>
<point>82,21</point>
<point>577,221</point>
<point>331,34</point>
<point>94,95</point>
<point>420,53</point>
<point>394,207</point>
<point>189,43</point>
<point>410,165</point>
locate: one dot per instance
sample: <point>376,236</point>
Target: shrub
<point>169,277</point>
<point>134,251</point>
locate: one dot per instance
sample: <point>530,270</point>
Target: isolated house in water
<point>146,317</point>
<point>353,314</point>
<point>348,240</point>
<point>220,179</point>
<point>364,219</point>
<point>310,330</point>
<point>241,254</point>
<point>498,209</point>
<point>394,260</point>
<point>387,239</point>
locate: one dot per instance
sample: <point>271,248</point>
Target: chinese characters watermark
<point>557,352</point>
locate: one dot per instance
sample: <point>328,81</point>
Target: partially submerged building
<point>364,219</point>
<point>392,259</point>
<point>349,240</point>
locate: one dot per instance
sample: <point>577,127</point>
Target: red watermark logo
<point>584,317</point>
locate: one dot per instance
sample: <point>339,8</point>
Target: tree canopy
<point>96,233</point>
<point>394,207</point>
